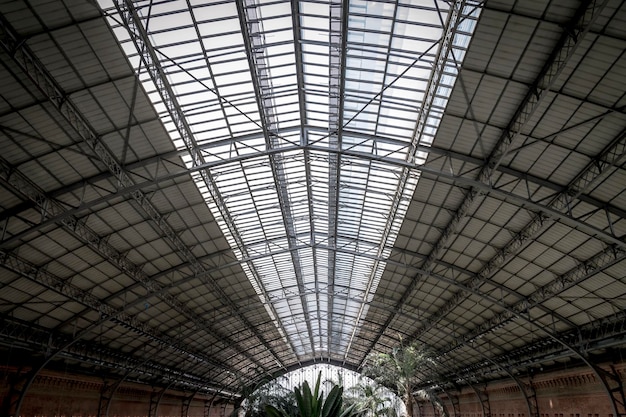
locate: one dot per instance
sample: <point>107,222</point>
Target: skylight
<point>308,114</point>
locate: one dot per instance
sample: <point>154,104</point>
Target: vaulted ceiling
<point>204,193</point>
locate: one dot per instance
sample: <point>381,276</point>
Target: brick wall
<point>567,393</point>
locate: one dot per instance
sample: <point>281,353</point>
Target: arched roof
<point>207,193</point>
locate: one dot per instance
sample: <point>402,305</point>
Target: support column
<point>615,388</point>
<point>419,408</point>
<point>481,394</point>
<point>106,396</point>
<point>529,392</point>
<point>439,408</point>
<point>17,385</point>
<point>456,405</point>
<point>155,400</point>
<point>186,404</point>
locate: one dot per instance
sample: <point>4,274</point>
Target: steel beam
<point>439,408</point>
<point>37,73</point>
<point>484,401</point>
<point>79,228</point>
<point>107,312</point>
<point>610,158</point>
<point>106,397</point>
<point>521,309</point>
<point>613,381</point>
<point>37,339</point>
<point>454,402</point>
<point>545,292</point>
<point>527,181</point>
<point>31,66</point>
<point>155,400</point>
<point>140,38</point>
<point>251,27</point>
<point>338,38</point>
<point>569,42</point>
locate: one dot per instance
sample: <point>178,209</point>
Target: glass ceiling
<point>302,111</point>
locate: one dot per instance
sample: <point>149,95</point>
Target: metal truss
<point>52,208</point>
<point>602,259</point>
<point>259,67</point>
<point>598,335</point>
<point>30,65</point>
<point>526,388</point>
<point>454,401</point>
<point>583,271</point>
<point>155,400</point>
<point>139,37</point>
<point>527,182</point>
<point>522,309</point>
<point>597,169</point>
<point>602,334</point>
<point>338,38</point>
<point>108,313</point>
<point>555,64</point>
<point>484,401</point>
<point>34,338</point>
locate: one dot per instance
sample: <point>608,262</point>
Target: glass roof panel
<point>301,123</point>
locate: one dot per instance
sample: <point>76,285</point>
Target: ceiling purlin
<point>584,18</point>
<point>581,272</point>
<point>107,313</point>
<point>595,171</point>
<point>304,136</point>
<point>43,340</point>
<point>165,158</point>
<point>79,228</point>
<point>259,68</point>
<point>338,38</point>
<point>439,174</point>
<point>138,34</point>
<point>31,66</point>
<point>456,16</point>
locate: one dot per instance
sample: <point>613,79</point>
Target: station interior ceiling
<point>204,194</point>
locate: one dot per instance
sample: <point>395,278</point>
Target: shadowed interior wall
<point>62,394</point>
<point>572,392</point>
<point>575,392</point>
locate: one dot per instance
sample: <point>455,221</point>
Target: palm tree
<point>398,370</point>
<point>272,393</point>
<point>373,400</point>
<point>312,403</point>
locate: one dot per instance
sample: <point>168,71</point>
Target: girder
<point>30,65</point>
<point>107,312</point>
<point>568,279</point>
<point>459,180</point>
<point>35,338</point>
<point>485,316</point>
<point>607,257</point>
<point>139,36</point>
<point>338,37</point>
<point>603,334</point>
<point>610,158</point>
<point>522,308</point>
<point>155,400</point>
<point>587,13</point>
<point>253,32</point>
<point>79,228</point>
<point>454,401</point>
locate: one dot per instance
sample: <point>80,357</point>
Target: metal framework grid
<point>201,194</point>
